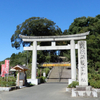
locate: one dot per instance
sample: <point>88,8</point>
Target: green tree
<point>35,26</point>
<point>20,58</point>
<point>92,24</point>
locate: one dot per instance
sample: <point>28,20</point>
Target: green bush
<point>73,84</point>
<point>46,70</point>
<point>89,76</point>
<point>97,65</point>
<point>99,71</point>
<point>40,72</point>
<point>7,82</point>
<point>91,82</point>
<point>95,76</point>
<point>42,79</point>
<point>91,70</point>
<point>94,83</point>
<point>28,72</point>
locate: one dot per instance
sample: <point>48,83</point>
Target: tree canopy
<point>34,26</point>
<point>92,24</point>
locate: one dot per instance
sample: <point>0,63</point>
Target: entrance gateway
<point>82,53</point>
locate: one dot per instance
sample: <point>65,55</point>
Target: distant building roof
<point>20,68</point>
<point>13,70</point>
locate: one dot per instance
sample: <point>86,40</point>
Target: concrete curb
<point>9,88</point>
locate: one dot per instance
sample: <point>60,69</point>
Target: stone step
<point>59,74</point>
<point>53,80</point>
<point>64,80</point>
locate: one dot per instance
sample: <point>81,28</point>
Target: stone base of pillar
<point>81,91</point>
<point>84,88</point>
<point>70,81</point>
<point>33,81</point>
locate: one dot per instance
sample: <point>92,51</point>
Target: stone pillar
<point>82,60</point>
<point>34,60</point>
<point>83,89</point>
<point>73,62</point>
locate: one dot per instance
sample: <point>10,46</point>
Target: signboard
<point>7,66</point>
<point>3,70</point>
<point>82,60</point>
<point>56,65</point>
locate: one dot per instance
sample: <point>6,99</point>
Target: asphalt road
<point>47,91</point>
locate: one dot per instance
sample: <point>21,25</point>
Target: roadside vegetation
<point>7,81</point>
<point>73,84</point>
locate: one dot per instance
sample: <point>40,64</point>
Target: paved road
<point>48,91</point>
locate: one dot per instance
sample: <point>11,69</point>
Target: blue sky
<point>62,12</point>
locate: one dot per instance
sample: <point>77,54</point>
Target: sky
<point>62,12</point>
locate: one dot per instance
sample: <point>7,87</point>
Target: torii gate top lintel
<point>55,38</point>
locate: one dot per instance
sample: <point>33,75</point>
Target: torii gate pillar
<point>34,60</point>
<point>73,62</point>
<point>34,64</point>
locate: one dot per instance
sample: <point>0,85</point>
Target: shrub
<point>91,70</point>
<point>46,70</point>
<point>40,72</point>
<point>28,72</point>
<point>89,76</point>
<point>73,84</point>
<point>7,82</point>
<point>42,79</point>
<point>99,71</point>
<point>97,77</point>
<point>97,65</point>
<point>94,83</point>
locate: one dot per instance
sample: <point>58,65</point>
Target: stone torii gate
<point>53,46</point>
